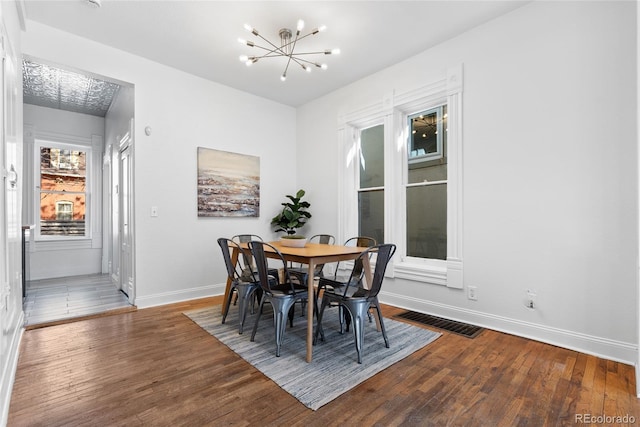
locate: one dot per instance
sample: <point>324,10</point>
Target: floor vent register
<point>464,329</point>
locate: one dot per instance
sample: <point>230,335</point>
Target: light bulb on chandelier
<point>286,49</point>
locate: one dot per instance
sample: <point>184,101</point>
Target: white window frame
<point>90,173</point>
<point>393,111</point>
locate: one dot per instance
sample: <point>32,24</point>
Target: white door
<point>4,202</point>
<point>126,222</point>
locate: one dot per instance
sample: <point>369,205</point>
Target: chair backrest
<point>246,259</point>
<point>246,238</point>
<point>234,272</point>
<point>258,251</point>
<point>359,241</point>
<point>323,239</point>
<point>384,253</point>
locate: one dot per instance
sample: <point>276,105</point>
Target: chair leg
<point>357,312</point>
<point>319,330</point>
<point>343,318</point>
<point>255,325</point>
<point>315,303</point>
<point>280,307</point>
<point>227,304</point>
<point>384,332</point>
<point>244,295</point>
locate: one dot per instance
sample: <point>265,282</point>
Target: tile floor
<point>53,300</point>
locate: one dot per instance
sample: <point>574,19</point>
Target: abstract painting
<point>228,184</point>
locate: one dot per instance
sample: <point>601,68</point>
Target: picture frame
<point>228,184</point>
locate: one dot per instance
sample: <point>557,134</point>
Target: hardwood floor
<point>154,367</point>
<point>59,300</point>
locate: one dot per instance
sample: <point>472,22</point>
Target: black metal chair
<point>246,238</point>
<point>246,260</point>
<point>356,299</point>
<point>247,263</point>
<point>242,288</point>
<point>302,273</point>
<point>281,296</point>
<point>338,283</point>
<point>360,241</point>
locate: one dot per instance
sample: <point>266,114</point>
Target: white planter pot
<point>293,243</point>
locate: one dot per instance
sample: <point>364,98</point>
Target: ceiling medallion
<point>286,48</point>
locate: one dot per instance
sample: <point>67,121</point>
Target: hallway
<point>52,301</point>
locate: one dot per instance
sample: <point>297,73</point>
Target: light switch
<point>154,211</point>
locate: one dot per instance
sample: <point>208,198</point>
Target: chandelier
<point>286,49</point>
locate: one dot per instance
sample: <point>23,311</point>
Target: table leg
<point>310,305</point>
<point>227,289</point>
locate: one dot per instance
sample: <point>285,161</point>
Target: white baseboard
<point>597,346</point>
<point>10,368</point>
<point>146,301</point>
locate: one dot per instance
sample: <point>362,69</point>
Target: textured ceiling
<point>52,87</point>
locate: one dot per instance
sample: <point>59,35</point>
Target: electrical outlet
<point>530,301</point>
<point>472,293</point>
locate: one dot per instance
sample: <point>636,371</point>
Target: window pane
<point>62,170</point>
<point>62,191</point>
<point>62,214</point>
<point>424,134</point>
<point>427,221</point>
<point>372,157</point>
<point>64,211</point>
<point>428,146</point>
<point>371,214</point>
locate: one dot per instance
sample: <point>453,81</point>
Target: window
<point>371,183</point>
<point>62,185</point>
<point>64,211</point>
<point>404,164</point>
<point>426,187</point>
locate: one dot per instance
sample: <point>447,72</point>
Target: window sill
<point>54,245</point>
<point>421,272</point>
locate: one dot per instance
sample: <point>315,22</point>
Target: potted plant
<point>294,215</point>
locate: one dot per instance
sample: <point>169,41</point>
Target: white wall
<point>550,188</point>
<point>60,259</point>
<point>176,253</point>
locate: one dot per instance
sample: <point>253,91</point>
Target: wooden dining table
<point>311,254</point>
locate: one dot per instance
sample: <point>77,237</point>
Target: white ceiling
<point>200,37</point>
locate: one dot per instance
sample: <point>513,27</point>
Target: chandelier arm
<point>275,48</point>
<point>292,42</point>
<point>290,55</point>
<point>306,35</point>
<point>297,61</point>
<point>300,61</point>
<point>284,73</point>
<point>267,55</point>
<point>322,52</point>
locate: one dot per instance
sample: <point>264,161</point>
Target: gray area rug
<point>334,369</point>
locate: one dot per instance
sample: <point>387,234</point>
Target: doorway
<point>62,265</point>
